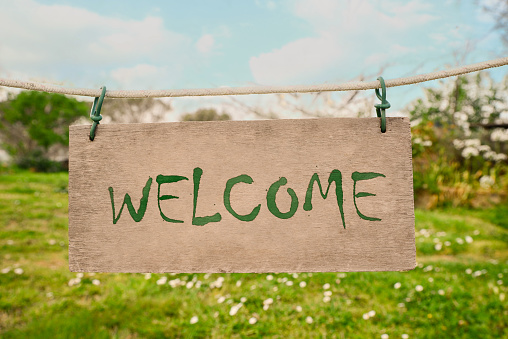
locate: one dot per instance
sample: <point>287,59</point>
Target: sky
<point>193,44</point>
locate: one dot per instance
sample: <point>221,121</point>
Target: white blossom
<point>499,134</point>
<point>483,148</point>
<point>486,181</point>
<point>194,320</point>
<point>162,281</point>
<point>428,268</point>
<point>234,309</point>
<point>175,282</point>
<point>490,155</point>
<point>74,281</point>
<point>469,152</point>
<point>268,301</point>
<point>458,144</point>
<point>472,142</point>
<point>501,157</point>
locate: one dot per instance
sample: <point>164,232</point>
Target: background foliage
<point>31,123</point>
<point>460,141</point>
<point>458,289</point>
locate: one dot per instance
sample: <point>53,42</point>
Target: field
<point>458,289</point>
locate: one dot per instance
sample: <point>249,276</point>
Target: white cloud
<point>141,76</point>
<point>296,62</point>
<point>311,10</point>
<point>345,33</point>
<point>76,45</point>
<point>205,44</point>
<point>270,5</point>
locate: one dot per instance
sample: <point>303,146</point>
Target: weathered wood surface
<point>125,156</point>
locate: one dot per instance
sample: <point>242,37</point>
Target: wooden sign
<point>242,196</point>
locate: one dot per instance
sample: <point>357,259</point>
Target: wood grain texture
<point>125,156</point>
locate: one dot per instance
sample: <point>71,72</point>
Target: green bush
<point>33,122</point>
<point>459,156</point>
<point>37,161</point>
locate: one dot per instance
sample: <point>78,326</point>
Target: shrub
<point>459,155</point>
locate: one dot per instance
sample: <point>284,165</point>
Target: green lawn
<point>457,290</point>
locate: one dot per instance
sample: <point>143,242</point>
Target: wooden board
<point>234,196</point>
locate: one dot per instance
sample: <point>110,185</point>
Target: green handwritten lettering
<point>201,221</point>
<point>166,179</point>
<point>136,216</point>
<point>272,205</point>
<point>357,176</point>
<point>227,198</point>
<point>335,176</point>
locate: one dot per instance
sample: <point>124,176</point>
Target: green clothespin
<point>380,108</point>
<point>95,113</point>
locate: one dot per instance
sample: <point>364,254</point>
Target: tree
<point>459,141</point>
<point>32,122</point>
<point>499,11</point>
<point>464,106</point>
<point>205,114</point>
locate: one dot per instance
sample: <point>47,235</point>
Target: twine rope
<point>348,86</point>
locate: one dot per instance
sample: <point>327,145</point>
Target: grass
<point>458,289</point>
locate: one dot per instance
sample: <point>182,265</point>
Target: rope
<point>349,86</point>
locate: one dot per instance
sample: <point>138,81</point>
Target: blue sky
<point>189,44</point>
